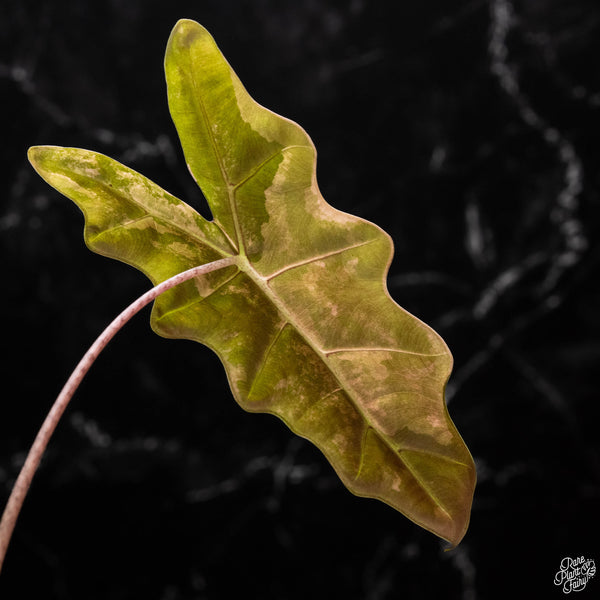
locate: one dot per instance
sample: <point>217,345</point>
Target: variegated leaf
<point>303,321</point>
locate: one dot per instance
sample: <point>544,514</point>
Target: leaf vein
<point>265,356</point>
<point>258,168</point>
<point>224,175</point>
<point>124,225</point>
<point>199,299</point>
<point>307,261</point>
<point>363,452</point>
<point>426,488</point>
<point>382,349</point>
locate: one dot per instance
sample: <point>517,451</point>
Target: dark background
<point>469,130</point>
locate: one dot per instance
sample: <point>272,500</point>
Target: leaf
<point>303,322</point>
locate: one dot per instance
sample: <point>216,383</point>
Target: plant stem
<point>21,487</point>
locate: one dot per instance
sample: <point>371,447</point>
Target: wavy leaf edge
<point>85,176</point>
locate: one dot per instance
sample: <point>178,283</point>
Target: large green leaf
<point>302,321</point>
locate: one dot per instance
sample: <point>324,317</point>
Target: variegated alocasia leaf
<point>302,321</point>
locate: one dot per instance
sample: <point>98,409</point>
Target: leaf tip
<point>38,154</point>
<point>185,32</point>
<point>35,153</point>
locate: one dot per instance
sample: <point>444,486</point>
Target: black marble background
<point>469,130</point>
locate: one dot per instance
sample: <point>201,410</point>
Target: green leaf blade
<point>303,323</point>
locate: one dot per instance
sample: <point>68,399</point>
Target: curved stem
<point>21,487</point>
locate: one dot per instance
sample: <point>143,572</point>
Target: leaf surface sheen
<point>303,322</point>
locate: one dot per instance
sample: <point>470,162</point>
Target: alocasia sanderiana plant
<point>289,292</point>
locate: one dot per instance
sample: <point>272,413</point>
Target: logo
<point>574,573</point>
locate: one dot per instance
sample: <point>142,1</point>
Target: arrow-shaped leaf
<point>303,321</point>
